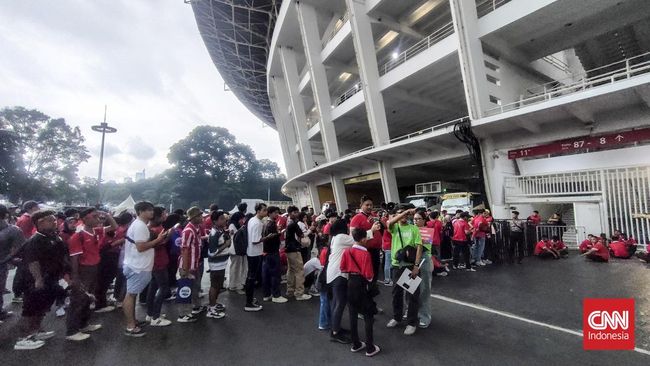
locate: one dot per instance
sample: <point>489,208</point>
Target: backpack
<point>240,240</point>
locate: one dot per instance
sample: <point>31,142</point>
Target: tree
<point>50,150</point>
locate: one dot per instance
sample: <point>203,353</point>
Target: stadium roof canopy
<point>238,35</point>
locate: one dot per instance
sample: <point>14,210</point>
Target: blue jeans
<point>387,265</point>
<point>271,275</point>
<point>325,312</point>
<point>477,248</point>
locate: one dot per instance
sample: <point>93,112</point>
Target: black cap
<point>41,214</point>
<point>29,205</point>
<point>515,212</point>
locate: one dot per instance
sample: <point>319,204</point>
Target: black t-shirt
<point>272,245</point>
<point>291,237</point>
<point>50,253</point>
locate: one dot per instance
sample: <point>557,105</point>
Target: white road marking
<point>517,317</point>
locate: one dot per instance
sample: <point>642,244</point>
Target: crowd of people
<point>90,262</point>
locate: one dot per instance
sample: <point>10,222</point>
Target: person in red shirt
<point>480,228</point>
<point>24,222</point>
<point>159,285</point>
<point>544,249</point>
<point>535,219</point>
<point>386,244</point>
<point>460,241</point>
<point>587,244</point>
<point>559,246</point>
<point>189,259</point>
<point>358,263</point>
<point>599,253</point>
<point>619,247</point>
<point>364,220</point>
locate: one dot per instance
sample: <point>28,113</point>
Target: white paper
<point>407,283</point>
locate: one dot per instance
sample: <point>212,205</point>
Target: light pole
<point>104,128</point>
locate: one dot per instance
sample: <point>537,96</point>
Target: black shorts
<point>39,302</point>
<point>217,278</point>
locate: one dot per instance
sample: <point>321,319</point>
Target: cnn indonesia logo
<point>608,324</point>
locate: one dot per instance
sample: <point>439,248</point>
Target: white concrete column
<point>284,123</point>
<point>470,53</point>
<point>388,181</point>
<point>339,193</point>
<point>315,197</point>
<point>364,46</point>
<point>292,78</point>
<point>319,85</point>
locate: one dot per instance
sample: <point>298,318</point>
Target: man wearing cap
<point>189,264</point>
<point>24,222</point>
<point>517,227</point>
<point>44,257</point>
<point>11,239</point>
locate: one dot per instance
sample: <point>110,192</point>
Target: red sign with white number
<point>582,143</point>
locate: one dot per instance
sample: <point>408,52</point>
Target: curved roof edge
<point>237,35</point>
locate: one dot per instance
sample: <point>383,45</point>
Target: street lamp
<point>104,128</point>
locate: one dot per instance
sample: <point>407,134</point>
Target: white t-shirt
<point>340,243</point>
<point>255,227</point>
<point>138,261</point>
<point>311,266</point>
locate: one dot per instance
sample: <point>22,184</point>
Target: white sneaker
<point>267,298</point>
<point>28,343</point>
<point>78,337</point>
<point>105,309</point>
<point>215,314</point>
<point>60,312</point>
<point>392,323</point>
<point>41,336</point>
<point>480,263</point>
<point>442,274</point>
<point>186,319</point>
<point>160,322</point>
<point>410,330</point>
<point>279,300</point>
<point>91,328</point>
<point>487,261</point>
<point>303,297</point>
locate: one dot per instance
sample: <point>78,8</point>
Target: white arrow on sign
<point>619,138</point>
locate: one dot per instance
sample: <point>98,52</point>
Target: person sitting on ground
<point>544,249</point>
<point>630,243</point>
<point>559,246</point>
<point>598,253</point>
<point>587,244</point>
<point>619,248</point>
<point>357,262</point>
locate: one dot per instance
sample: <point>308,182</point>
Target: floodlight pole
<point>104,128</point>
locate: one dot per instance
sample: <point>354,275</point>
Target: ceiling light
<point>395,55</point>
<point>386,39</point>
<point>422,10</point>
<point>344,76</point>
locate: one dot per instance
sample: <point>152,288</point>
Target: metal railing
<point>608,74</point>
<point>348,93</point>
<point>487,6</point>
<point>420,46</point>
<point>571,183</point>
<point>414,134</point>
<point>557,63</point>
<point>336,28</point>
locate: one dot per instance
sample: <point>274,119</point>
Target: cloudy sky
<point>145,59</point>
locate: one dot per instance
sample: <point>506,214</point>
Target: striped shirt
<point>190,239</point>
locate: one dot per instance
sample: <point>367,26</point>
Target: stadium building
<point>540,104</point>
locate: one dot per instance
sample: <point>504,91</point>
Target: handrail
<point>413,134</point>
<point>418,47</point>
<point>348,93</point>
<point>629,68</point>
<point>557,63</point>
<point>337,28</point>
<point>489,6</point>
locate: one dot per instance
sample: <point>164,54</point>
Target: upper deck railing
<point>487,6</point>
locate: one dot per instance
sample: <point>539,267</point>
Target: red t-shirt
<point>386,240</point>
<point>161,257</point>
<point>585,245</point>
<point>476,224</point>
<point>436,225</point>
<point>190,239</point>
<point>361,264</point>
<point>535,219</point>
<point>539,247</point>
<point>323,256</point>
<point>282,224</point>
<point>619,249</point>
<point>602,250</point>
<point>364,222</point>
<point>25,224</point>
<point>460,227</point>
<point>86,246</point>
<point>558,245</point>
<point>326,228</point>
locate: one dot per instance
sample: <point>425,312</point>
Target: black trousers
<point>78,313</point>
<point>461,247</point>
<point>339,301</point>
<point>360,302</point>
<point>376,261</point>
<point>106,274</point>
<point>413,300</point>
<point>254,267</point>
<point>516,243</point>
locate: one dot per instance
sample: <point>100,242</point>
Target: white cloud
<point>145,60</point>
